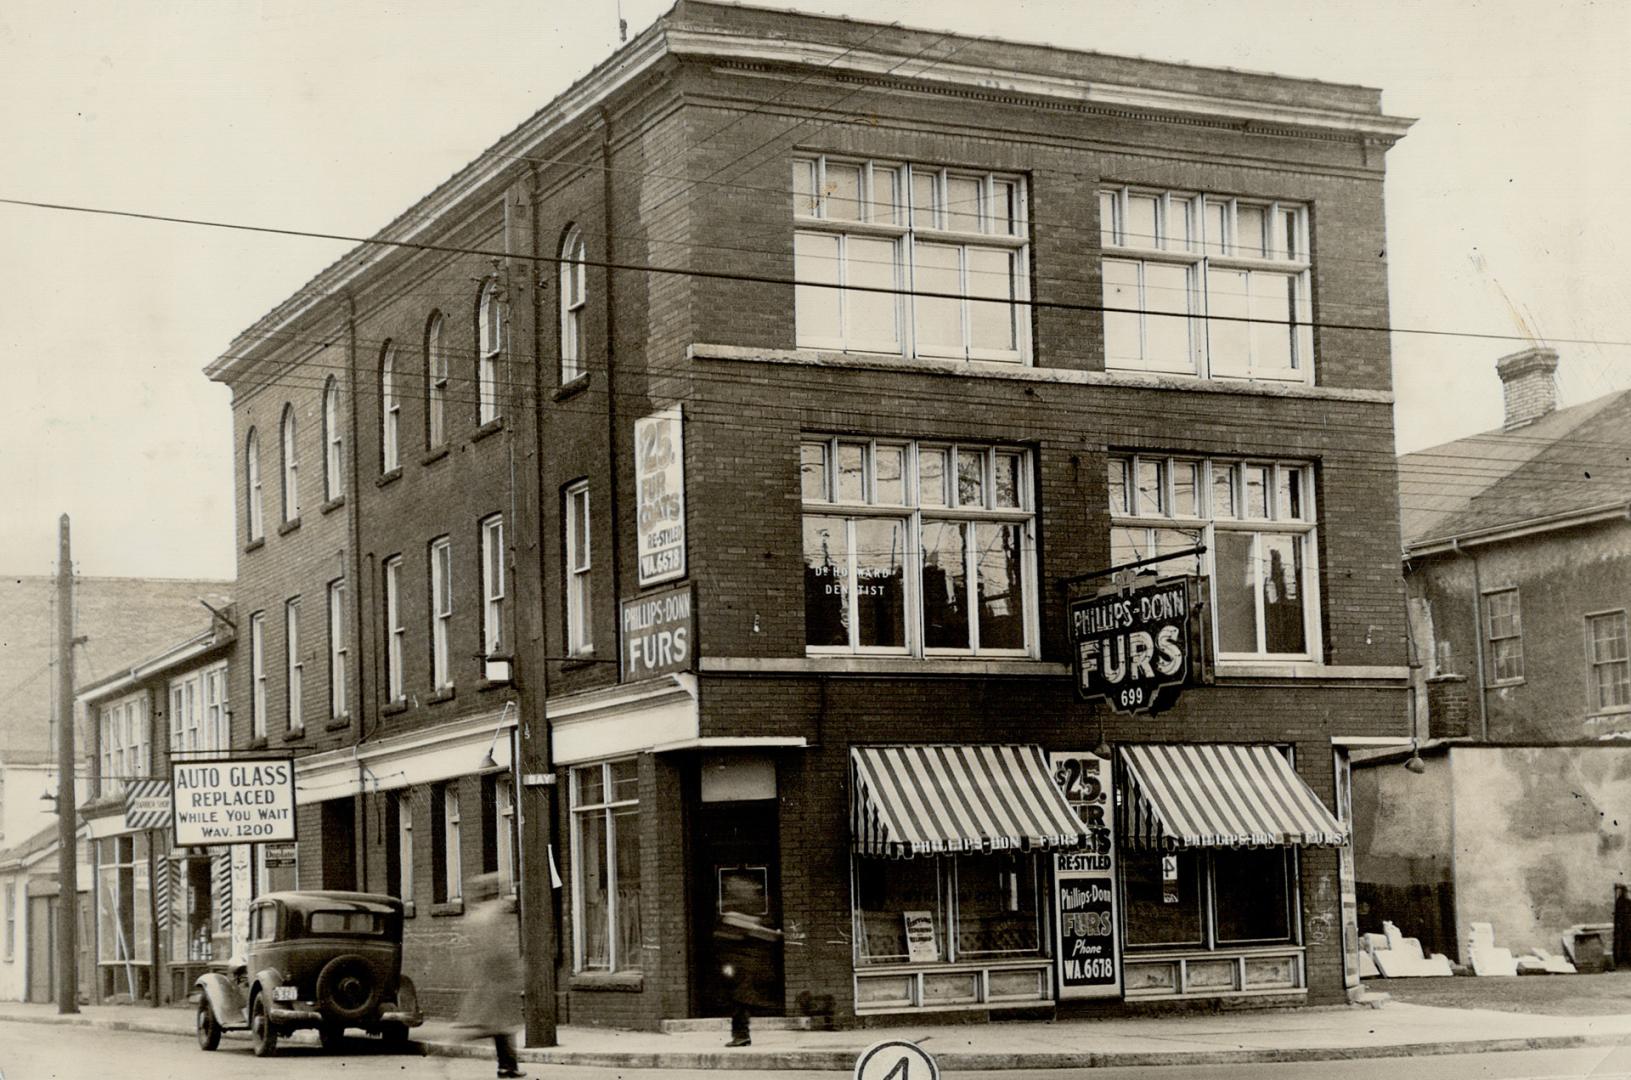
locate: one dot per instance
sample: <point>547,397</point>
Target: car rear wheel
<point>347,990</point>
<point>209,1032</point>
<point>262,1032</point>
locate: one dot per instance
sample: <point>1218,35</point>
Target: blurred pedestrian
<point>745,946</point>
<point>492,1004</point>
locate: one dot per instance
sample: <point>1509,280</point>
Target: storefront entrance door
<point>737,901</point>
<point>42,949</point>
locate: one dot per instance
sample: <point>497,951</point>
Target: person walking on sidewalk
<point>745,945</point>
<point>492,1005</point>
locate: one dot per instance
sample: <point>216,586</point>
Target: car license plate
<point>285,993</point>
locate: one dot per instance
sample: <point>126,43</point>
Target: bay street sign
<point>1132,647</point>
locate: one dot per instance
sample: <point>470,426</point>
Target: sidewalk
<point>1310,1034</point>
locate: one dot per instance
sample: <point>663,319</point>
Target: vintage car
<point>324,960</point>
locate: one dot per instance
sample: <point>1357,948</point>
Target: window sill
<point>626,982</point>
<point>1502,684</point>
<point>388,477</point>
<point>294,735</point>
<point>431,457</point>
<point>895,665</point>
<point>446,693</point>
<point>338,723</point>
<point>446,908</point>
<point>255,544</point>
<point>408,910</point>
<point>1305,669</point>
<point>288,527</point>
<point>572,387</point>
<point>394,708</point>
<point>491,427</point>
<point>484,685</point>
<point>580,662</point>
<point>258,743</point>
<point>332,505</point>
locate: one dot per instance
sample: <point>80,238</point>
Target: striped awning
<point>1221,795</point>
<point>919,800</point>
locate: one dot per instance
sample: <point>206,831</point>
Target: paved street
<point>39,1052</point>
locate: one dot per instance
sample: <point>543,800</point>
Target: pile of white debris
<point>1391,955</point>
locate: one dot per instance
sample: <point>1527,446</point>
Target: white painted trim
<point>735,742</point>
<point>623,720</point>
<point>1371,740</point>
<point>1269,669</point>
<point>879,665</point>
<point>424,756</point>
<point>976,369</point>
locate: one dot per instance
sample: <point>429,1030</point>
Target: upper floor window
<point>295,665</point>
<point>333,445</point>
<point>435,385</point>
<point>910,259</point>
<point>198,711</point>
<point>918,548</point>
<point>441,610</point>
<point>580,638</point>
<point>1256,519</point>
<point>126,742</point>
<point>291,466</point>
<point>1505,635</point>
<point>394,630</point>
<point>492,585</point>
<point>257,675</point>
<point>252,484</point>
<point>337,651</point>
<point>390,413</point>
<point>1206,285</point>
<point>490,321</point>
<point>573,299</point>
<point>1610,661</point>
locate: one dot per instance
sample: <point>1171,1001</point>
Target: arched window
<point>489,317</point>
<point>435,384</point>
<point>252,484</point>
<point>390,412</point>
<point>573,295</point>
<point>333,446</point>
<point>291,467</point>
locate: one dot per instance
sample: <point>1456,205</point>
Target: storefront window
<point>606,866</point>
<point>1162,897</point>
<point>1226,896</point>
<point>997,906</point>
<point>123,902</point>
<point>191,929</point>
<point>1252,891</point>
<point>947,908</point>
<point>885,890</point>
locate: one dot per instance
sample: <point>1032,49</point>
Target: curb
<point>844,1060</point>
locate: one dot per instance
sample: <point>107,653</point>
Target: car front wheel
<point>209,1032</point>
<point>262,1032</point>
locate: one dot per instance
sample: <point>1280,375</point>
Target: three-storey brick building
<point>713,453</point>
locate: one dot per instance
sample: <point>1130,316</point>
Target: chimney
<point>1529,382</point>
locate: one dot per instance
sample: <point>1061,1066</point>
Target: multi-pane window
<point>390,413</point>
<point>252,485</point>
<point>395,632</point>
<point>291,466</point>
<point>1257,520</point>
<point>198,711</point>
<point>453,866</point>
<point>979,907</point>
<point>1206,285</point>
<point>186,713</point>
<point>441,611</point>
<point>257,674</point>
<point>1610,660</point>
<point>295,664</point>
<point>125,742</point>
<point>579,625</point>
<point>402,805</point>
<point>573,299</point>
<point>1505,635</point>
<point>337,651</point>
<point>918,548</point>
<point>333,444</point>
<point>435,385</point>
<point>910,259</point>
<point>606,866</point>
<point>1223,897</point>
<point>492,585</point>
<point>489,317</point>
<point>216,734</point>
<point>504,798</point>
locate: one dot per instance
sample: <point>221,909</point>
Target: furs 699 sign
<point>1132,648</point>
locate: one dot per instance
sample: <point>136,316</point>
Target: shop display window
<point>1225,896</point>
<point>606,866</point>
<point>946,909</point>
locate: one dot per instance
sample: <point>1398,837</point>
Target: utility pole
<point>67,815</point>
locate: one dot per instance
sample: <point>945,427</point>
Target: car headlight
<point>285,993</point>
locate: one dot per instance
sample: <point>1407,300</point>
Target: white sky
<point>1504,201</point>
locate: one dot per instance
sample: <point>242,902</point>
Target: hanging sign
<point>1132,646</point>
<point>659,633</point>
<point>1087,942</point>
<point>659,495</point>
<point>147,804</point>
<point>233,800</point>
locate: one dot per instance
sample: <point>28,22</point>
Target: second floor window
<point>490,321</point>
<point>918,548</point>
<point>252,485</point>
<point>296,665</point>
<point>394,631</point>
<point>333,442</point>
<point>492,585</point>
<point>257,674</point>
<point>573,300</point>
<point>336,650</point>
<point>1257,520</point>
<point>198,711</point>
<point>580,637</point>
<point>910,259</point>
<point>435,385</point>
<point>1610,661</point>
<point>126,746</point>
<point>441,611</point>
<point>390,413</point>
<point>1206,285</point>
<point>1505,635</point>
<point>291,466</point>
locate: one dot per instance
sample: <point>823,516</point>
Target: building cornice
<point>189,650</point>
<point>1571,519</point>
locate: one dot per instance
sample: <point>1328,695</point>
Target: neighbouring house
<point>1517,558</point>
<point>29,891</point>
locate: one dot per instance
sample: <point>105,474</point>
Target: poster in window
<point>659,495</point>
<point>1087,936</point>
<point>1169,879</point>
<point>921,946</point>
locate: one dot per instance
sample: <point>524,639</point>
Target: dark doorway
<point>737,870</point>
<point>339,860</point>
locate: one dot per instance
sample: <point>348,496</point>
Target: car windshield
<point>346,922</point>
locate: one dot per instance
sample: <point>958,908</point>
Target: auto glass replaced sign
<point>233,801</point>
<point>1132,646</point>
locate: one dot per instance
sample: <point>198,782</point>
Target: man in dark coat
<point>492,1006</point>
<point>745,947</point>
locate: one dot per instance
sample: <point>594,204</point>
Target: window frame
<point>578,517</point>
<point>1492,640</point>
<point>294,668</point>
<point>490,344</point>
<point>390,412</point>
<point>452,845</point>
<point>395,631</point>
<point>1211,939</point>
<point>492,584</point>
<point>436,383</point>
<point>338,651</point>
<point>257,675</point>
<point>1199,253</point>
<point>402,801</point>
<point>124,727</point>
<point>505,820</point>
<point>1594,683</point>
<point>572,280</point>
<point>948,868</point>
<point>441,613</point>
<point>899,223</point>
<point>289,435</point>
<point>333,442</point>
<point>607,808</point>
<point>255,512</point>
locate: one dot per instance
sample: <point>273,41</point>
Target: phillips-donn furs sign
<point>1132,647</point>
